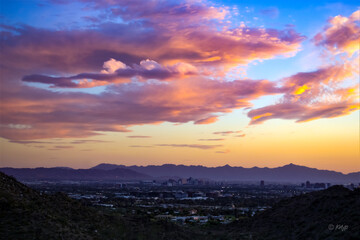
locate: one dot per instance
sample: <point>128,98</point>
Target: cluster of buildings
<point>185,181</point>
<point>198,219</point>
<point>315,185</point>
<point>320,186</point>
<point>175,194</point>
<point>178,182</point>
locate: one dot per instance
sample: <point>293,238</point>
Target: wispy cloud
<point>224,133</point>
<point>83,141</point>
<point>224,151</point>
<point>212,139</point>
<point>63,147</point>
<point>199,146</point>
<point>272,12</point>
<point>138,136</point>
<point>60,147</point>
<point>140,146</point>
<point>32,142</point>
<point>240,135</point>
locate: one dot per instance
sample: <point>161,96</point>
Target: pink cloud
<point>341,35</point>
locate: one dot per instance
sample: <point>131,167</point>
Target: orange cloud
<point>206,120</point>
<point>301,89</point>
<point>313,95</point>
<point>261,116</point>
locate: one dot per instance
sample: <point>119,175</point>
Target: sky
<point>132,82</point>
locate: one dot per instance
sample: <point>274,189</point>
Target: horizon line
<point>188,166</point>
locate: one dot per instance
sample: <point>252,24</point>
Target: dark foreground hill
<point>333,213</point>
<point>26,214</point>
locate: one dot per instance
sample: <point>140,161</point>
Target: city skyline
<point>180,82</point>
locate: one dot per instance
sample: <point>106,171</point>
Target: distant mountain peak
<point>291,165</point>
<point>107,166</point>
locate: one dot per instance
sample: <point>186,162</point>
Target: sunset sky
<point>244,83</point>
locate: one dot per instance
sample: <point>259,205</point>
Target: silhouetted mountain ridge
<point>57,174</point>
<point>286,173</point>
<point>112,172</point>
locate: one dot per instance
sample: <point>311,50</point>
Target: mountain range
<point>63,173</point>
<point>287,173</point>
<point>112,172</point>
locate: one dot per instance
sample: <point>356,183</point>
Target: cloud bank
<point>162,62</point>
